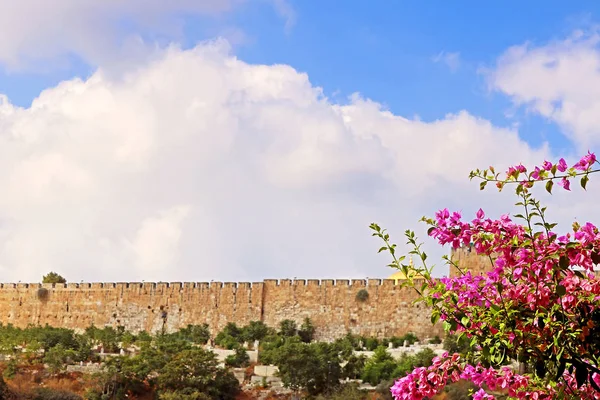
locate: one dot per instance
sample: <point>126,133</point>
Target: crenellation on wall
<point>331,305</point>
<point>327,282</point>
<point>388,282</point>
<point>271,282</point>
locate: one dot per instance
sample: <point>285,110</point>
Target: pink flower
<point>586,162</point>
<point>562,165</point>
<point>564,182</point>
<point>547,165</point>
<point>480,214</point>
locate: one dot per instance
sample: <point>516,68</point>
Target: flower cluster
<point>423,383</point>
<point>539,303</point>
<point>426,382</point>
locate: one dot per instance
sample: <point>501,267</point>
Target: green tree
<point>424,357</point>
<point>288,328</point>
<point>306,331</point>
<point>269,347</point>
<point>53,277</point>
<point>195,333</point>
<point>57,358</point>
<point>312,367</point>
<point>379,367</point>
<point>255,330</point>
<point>196,370</point>
<point>239,359</point>
<point>229,337</point>
<point>354,366</point>
<point>372,343</point>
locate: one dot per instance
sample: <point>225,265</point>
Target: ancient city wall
<point>331,305</point>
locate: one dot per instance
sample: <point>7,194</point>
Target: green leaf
<point>519,188</point>
<point>563,262</point>
<point>384,248</point>
<point>549,185</point>
<point>435,318</point>
<point>584,181</point>
<point>464,321</point>
<point>447,326</point>
<point>482,185</point>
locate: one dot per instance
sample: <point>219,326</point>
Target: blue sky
<point>156,151</point>
<point>382,49</point>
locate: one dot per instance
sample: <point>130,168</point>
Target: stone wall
<point>331,305</point>
<point>467,260</point>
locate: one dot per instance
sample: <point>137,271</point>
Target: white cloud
<point>199,166</point>
<point>559,80</point>
<point>452,60</point>
<point>32,31</point>
<point>156,244</point>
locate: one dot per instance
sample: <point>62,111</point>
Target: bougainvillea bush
<point>538,307</point>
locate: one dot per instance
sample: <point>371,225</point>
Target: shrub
<point>435,340</point>
<point>354,366</point>
<point>348,391</point>
<point>195,333</point>
<point>255,330</point>
<point>229,337</point>
<point>53,277</point>
<point>371,344</point>
<point>287,327</point>
<point>42,294</point>
<point>453,345</point>
<point>181,395</point>
<point>379,367</point>
<point>11,369</point>
<point>54,394</point>
<point>239,359</point>
<point>410,337</point>
<point>362,295</point>
<point>306,331</point>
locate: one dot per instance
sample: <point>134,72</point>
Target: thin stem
<point>529,180</point>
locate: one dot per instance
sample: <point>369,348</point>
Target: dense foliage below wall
<point>179,365</point>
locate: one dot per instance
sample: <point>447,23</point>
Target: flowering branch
<point>539,304</point>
